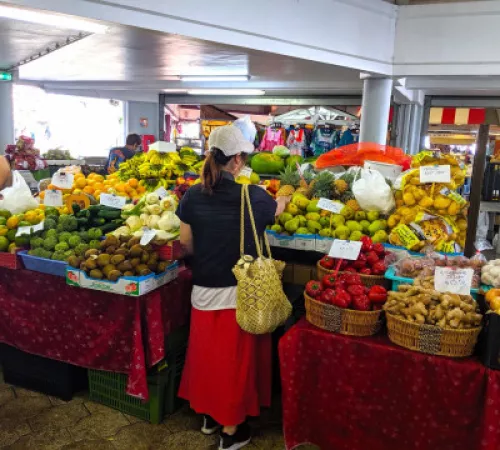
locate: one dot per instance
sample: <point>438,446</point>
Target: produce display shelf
<point>390,274</point>
<point>108,388</point>
<point>48,266</point>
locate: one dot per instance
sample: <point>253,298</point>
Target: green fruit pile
<point>302,216</point>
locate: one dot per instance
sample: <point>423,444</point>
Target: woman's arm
<point>186,239</point>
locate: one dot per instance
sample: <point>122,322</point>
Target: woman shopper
<point>227,375</point>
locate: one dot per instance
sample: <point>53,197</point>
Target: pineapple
<point>290,180</point>
<point>322,186</point>
<point>340,186</point>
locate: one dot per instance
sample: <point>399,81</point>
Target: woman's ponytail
<point>211,173</point>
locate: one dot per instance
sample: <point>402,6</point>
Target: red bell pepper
<point>361,303</point>
<point>327,262</point>
<point>377,294</point>
<point>356,290</point>
<point>379,268</point>
<point>353,279</point>
<point>328,282</point>
<point>367,244</point>
<point>372,258</point>
<point>313,288</point>
<point>342,299</point>
<point>328,296</point>
<point>379,249</point>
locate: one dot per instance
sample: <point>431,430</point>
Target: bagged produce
<point>372,192</point>
<point>17,198</point>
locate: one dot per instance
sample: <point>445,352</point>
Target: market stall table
<point>42,315</point>
<point>347,393</point>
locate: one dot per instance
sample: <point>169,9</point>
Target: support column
<point>6,115</point>
<point>415,129</point>
<point>375,110</point>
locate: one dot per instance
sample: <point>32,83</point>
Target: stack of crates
<point>108,388</point>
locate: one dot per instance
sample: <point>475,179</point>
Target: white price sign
<point>63,180</point>
<point>456,281</point>
<point>161,192</point>
<point>148,236</point>
<point>113,201</point>
<point>435,174</point>
<point>329,205</point>
<point>345,249</point>
<point>53,198</point>
<point>246,172</point>
<point>28,230</point>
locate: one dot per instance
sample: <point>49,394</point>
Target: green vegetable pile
<point>97,216</point>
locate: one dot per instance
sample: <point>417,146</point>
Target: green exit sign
<point>5,76</point>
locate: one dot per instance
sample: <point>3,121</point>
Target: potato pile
<point>119,257</point>
<point>422,304</point>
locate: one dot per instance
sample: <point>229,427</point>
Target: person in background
<point>119,154</point>
<point>227,374</point>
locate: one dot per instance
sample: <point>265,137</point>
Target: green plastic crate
<point>108,388</point>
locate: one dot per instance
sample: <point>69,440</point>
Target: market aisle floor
<point>33,421</point>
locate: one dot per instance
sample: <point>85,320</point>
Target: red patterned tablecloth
<point>345,393</point>
<point>41,314</point>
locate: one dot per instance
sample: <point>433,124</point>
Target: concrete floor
<point>30,420</point>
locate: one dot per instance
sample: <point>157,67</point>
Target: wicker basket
<point>431,339</point>
<point>367,280</point>
<point>340,320</point>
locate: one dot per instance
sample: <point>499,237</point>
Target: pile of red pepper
<point>347,291</point>
<point>370,260</point>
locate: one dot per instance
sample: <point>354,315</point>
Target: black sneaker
<point>210,426</point>
<point>238,440</point>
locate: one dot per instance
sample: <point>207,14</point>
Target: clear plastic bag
<point>17,198</point>
<point>483,225</point>
<point>373,193</point>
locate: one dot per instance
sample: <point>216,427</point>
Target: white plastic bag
<point>17,198</point>
<point>483,225</point>
<point>372,192</point>
<point>247,127</point>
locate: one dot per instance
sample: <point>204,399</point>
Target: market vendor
<point>119,154</point>
<point>227,375</point>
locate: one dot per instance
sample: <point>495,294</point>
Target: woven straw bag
<point>261,304</point>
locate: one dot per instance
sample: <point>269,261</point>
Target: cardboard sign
<point>435,174</point>
<point>53,198</point>
<point>29,230</point>
<point>63,180</point>
<point>345,249</point>
<point>329,205</point>
<point>148,236</point>
<point>161,192</point>
<point>451,279</point>
<point>113,201</point>
<point>246,172</point>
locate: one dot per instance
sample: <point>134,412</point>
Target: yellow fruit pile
<point>430,213</point>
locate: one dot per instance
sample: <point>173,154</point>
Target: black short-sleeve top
<point>215,224</point>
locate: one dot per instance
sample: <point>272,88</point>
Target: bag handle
<point>245,199</point>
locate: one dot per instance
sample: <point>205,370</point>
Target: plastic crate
<point>40,374</point>
<point>48,266</point>
<point>390,274</point>
<point>491,183</point>
<point>108,388</point>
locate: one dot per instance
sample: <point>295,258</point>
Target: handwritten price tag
<point>435,174</point>
<point>53,198</point>
<point>161,192</point>
<point>148,236</point>
<point>456,281</point>
<point>246,172</point>
<point>29,230</point>
<point>329,205</point>
<point>63,180</point>
<point>345,249</point>
<point>113,201</point>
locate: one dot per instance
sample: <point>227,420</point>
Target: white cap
<point>230,140</point>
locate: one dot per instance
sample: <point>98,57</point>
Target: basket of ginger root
<point>422,319</point>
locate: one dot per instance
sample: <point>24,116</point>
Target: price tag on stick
<point>161,192</point>
<point>435,174</point>
<point>63,180</point>
<point>329,205</point>
<point>451,279</point>
<point>28,230</point>
<point>53,198</point>
<point>345,249</point>
<point>113,201</point>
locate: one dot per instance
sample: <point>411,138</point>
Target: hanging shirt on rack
<point>323,140</point>
<point>296,142</point>
<point>346,139</point>
<point>271,138</point>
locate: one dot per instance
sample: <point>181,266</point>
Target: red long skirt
<point>227,374</point>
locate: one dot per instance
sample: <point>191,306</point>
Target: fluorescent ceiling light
<point>55,20</point>
<point>226,92</point>
<point>215,78</point>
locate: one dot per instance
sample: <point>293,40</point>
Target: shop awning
<point>457,116</point>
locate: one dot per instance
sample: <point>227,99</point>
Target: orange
<point>80,183</point>
<point>141,189</point>
<point>99,178</point>
<point>88,190</point>
<point>91,176</point>
<point>133,182</point>
<point>98,186</point>
<point>79,175</point>
<point>42,195</point>
<point>120,187</point>
<point>97,192</point>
